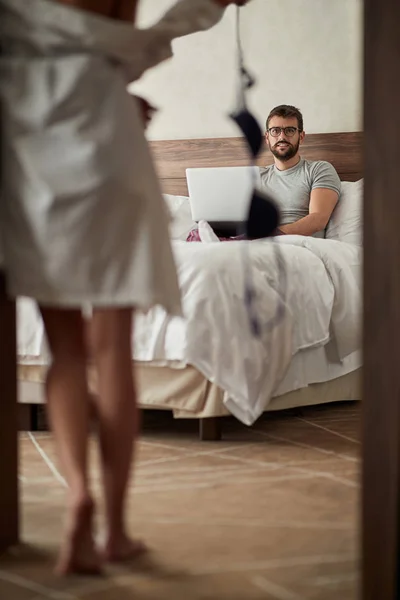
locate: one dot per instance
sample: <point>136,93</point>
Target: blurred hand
<point>146,109</point>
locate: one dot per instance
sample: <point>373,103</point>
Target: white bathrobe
<point>82,218</point>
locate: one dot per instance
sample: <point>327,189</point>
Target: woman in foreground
<point>84,226</point>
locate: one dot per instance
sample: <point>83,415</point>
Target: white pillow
<point>345,224</point>
<point>181,216</point>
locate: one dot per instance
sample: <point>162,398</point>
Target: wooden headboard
<point>172,157</point>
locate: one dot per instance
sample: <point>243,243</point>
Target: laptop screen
<point>221,194</point>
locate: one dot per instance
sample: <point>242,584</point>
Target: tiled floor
<point>268,513</point>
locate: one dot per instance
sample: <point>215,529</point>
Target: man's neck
<point>288,164</point>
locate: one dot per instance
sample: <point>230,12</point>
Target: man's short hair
<point>286,112</point>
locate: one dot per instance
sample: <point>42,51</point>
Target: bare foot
<point>78,554</point>
<point>122,548</point>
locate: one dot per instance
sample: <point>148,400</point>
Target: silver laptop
<point>221,195</point>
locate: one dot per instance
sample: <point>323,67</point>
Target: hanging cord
<point>246,81</point>
<point>259,329</point>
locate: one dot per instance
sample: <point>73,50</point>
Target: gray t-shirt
<point>291,189</point>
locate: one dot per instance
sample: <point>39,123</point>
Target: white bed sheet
<point>316,366</point>
<point>323,311</point>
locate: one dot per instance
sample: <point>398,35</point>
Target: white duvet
<point>322,303</point>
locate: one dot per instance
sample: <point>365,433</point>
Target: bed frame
<point>172,157</point>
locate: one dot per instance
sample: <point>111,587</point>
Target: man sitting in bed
<point>305,191</point>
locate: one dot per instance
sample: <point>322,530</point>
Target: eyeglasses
<point>288,131</point>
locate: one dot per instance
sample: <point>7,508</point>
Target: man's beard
<point>291,151</point>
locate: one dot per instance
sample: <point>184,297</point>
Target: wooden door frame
<point>381,371</point>
<point>9,500</point>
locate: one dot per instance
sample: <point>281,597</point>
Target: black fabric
<point>263,217</point>
<point>250,129</point>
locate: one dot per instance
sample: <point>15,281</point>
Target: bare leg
<point>68,407</point>
<point>118,420</point>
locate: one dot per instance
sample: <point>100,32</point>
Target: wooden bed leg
<point>28,417</point>
<point>210,429</point>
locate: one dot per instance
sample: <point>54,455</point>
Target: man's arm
<point>325,191</point>
<point>322,204</point>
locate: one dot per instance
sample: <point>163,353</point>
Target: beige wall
<point>303,52</point>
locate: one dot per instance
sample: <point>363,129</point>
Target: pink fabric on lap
<point>194,236</point>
